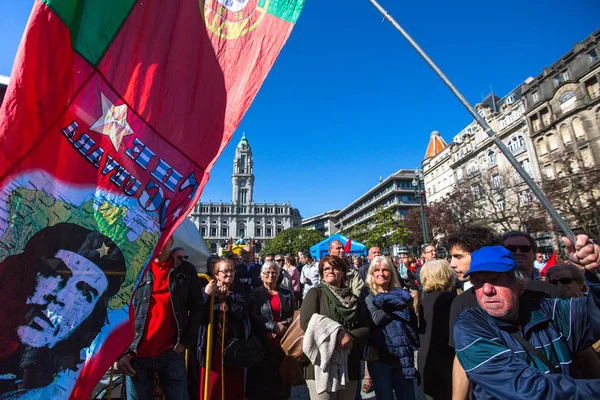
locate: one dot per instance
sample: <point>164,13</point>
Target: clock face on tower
<point>243,183</point>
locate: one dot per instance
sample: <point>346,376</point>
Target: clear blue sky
<point>349,101</point>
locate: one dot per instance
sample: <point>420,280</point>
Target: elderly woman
<point>435,356</point>
<point>393,332</point>
<point>271,312</point>
<point>231,307</point>
<point>333,300</point>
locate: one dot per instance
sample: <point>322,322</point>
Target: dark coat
<point>396,328</point>
<point>246,278</point>
<point>261,315</point>
<point>186,299</point>
<point>435,355</point>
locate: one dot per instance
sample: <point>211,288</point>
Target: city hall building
<point>242,218</point>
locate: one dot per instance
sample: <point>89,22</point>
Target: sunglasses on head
<point>513,248</point>
<point>564,281</point>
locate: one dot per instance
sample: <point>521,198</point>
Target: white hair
<point>270,265</point>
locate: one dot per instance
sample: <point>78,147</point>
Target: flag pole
<point>482,122</point>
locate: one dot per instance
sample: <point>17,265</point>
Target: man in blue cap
<point>514,346</point>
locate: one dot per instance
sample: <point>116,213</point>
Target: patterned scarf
<point>341,305</point>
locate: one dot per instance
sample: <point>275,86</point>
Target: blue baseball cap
<point>491,259</point>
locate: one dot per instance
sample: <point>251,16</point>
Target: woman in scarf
<point>335,301</point>
<point>231,307</point>
<point>393,332</point>
<point>271,313</point>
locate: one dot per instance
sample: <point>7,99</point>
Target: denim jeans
<point>388,378</point>
<point>170,367</point>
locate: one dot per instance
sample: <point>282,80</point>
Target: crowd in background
<point>364,318</point>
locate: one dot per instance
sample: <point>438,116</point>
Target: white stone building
<point>242,217</point>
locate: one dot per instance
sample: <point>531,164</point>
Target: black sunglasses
<point>513,248</point>
<point>564,281</point>
<point>280,260</point>
<point>183,258</point>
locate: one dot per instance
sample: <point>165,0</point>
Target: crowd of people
<point>482,323</point>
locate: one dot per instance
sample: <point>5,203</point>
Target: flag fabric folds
<point>115,113</point>
<point>348,245</point>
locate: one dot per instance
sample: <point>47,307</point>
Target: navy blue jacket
<point>500,368</point>
<point>395,327</point>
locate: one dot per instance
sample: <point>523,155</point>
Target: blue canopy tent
<point>320,249</point>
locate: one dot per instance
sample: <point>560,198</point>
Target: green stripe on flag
<point>93,23</point>
<point>287,10</point>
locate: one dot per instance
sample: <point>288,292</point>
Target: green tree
<point>385,230</point>
<point>288,241</point>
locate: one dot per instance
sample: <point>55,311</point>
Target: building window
<point>500,204</point>
<point>535,96</point>
<point>279,210</point>
<point>556,80</point>
<point>566,76</point>
<point>242,232</point>
<point>269,223</point>
<point>510,99</point>
<point>258,232</point>
<point>496,181</point>
<point>565,135</point>
<point>243,196</point>
<point>279,230</point>
<point>552,142</point>
<point>578,129</point>
<point>472,169</point>
<point>269,232</point>
<point>224,232</point>
<point>459,174</point>
<point>526,166</point>
<point>491,158</point>
<point>203,231</point>
<point>592,56</point>
<point>475,192</point>
<point>204,222</point>
<point>213,231</point>
<point>549,172</point>
<point>214,222</point>
<point>516,143</point>
<point>242,167</point>
<point>542,149</point>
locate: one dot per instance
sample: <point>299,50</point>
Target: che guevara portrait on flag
<point>75,272</point>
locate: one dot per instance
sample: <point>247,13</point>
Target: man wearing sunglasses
<point>523,248</point>
<point>569,278</point>
<point>179,253</point>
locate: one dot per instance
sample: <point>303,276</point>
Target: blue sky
<point>349,101</point>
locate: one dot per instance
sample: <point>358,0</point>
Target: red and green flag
<point>115,113</point>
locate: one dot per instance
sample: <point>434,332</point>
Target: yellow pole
<point>209,340</point>
<point>110,381</point>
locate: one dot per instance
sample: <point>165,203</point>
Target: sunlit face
<point>373,252</point>
<point>522,251</point>
<point>382,276</point>
<point>59,305</point>
<point>403,259</point>
<point>430,253</point>
<point>332,275</point>
<point>337,249</point>
<point>270,276</point>
<point>497,293</point>
<point>539,257</point>
<point>461,262</point>
<point>224,274</point>
<point>356,262</point>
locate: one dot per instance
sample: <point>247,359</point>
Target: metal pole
<point>423,218</point>
<point>481,121</point>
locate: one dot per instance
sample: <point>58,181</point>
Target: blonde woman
<point>435,356</point>
<point>393,332</point>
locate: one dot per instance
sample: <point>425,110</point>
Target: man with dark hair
<point>569,278</point>
<point>247,274</point>
<point>523,248</point>
<point>516,346</point>
<point>76,271</point>
<point>179,252</point>
<point>168,306</point>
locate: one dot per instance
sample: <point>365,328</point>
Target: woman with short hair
<point>271,313</point>
<point>435,357</point>
<point>393,332</point>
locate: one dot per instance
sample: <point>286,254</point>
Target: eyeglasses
<point>272,273</point>
<point>183,258</point>
<point>513,248</point>
<point>564,281</point>
<point>330,269</point>
<point>227,272</point>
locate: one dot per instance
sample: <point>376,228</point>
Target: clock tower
<point>242,180</point>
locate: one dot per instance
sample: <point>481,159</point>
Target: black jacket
<point>246,278</point>
<point>261,315</point>
<point>186,301</point>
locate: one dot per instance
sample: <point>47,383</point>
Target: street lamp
<point>417,183</point>
<point>300,238</point>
